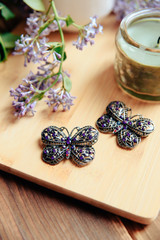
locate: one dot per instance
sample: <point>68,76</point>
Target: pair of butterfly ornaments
<point>78,147</point>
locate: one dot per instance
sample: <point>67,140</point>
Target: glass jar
<point>137,63</point>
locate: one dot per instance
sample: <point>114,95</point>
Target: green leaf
<point>59,50</point>
<point>6,12</point>
<point>37,97</point>
<point>3,51</point>
<point>67,83</point>
<point>45,25</point>
<point>9,39</point>
<point>41,95</point>
<point>69,20</point>
<point>54,44</point>
<point>35,4</point>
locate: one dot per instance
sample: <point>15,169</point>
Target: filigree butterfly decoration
<point>77,147</point>
<point>129,129</point>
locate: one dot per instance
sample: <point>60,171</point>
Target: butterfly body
<point>59,146</point>
<point>129,129</point>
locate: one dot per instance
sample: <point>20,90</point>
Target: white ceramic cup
<point>82,10</point>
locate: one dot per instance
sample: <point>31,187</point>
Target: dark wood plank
<point>28,211</point>
<point>143,232</point>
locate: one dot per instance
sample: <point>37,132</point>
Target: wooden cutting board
<point>120,181</point>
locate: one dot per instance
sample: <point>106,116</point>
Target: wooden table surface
<point>29,211</point>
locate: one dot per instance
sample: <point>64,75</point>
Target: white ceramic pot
<point>82,10</point>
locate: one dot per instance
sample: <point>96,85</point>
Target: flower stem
<point>63,45</point>
<point>44,79</point>
<point>61,33</point>
<point>56,17</point>
<point>79,27</point>
<point>45,25</point>
<point>48,10</point>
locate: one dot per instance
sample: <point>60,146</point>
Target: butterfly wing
<point>53,154</point>
<point>55,149</point>
<point>85,136</point>
<point>142,126</point>
<point>108,124</point>
<point>82,155</point>
<point>127,139</point>
<point>53,136</point>
<point>82,151</point>
<point>118,110</point>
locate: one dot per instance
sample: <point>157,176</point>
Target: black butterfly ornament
<point>129,129</point>
<point>59,146</point>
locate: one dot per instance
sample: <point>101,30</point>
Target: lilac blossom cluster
<point>23,95</point>
<point>57,97</point>
<point>36,48</point>
<point>87,33</point>
<point>38,19</point>
<point>34,45</point>
<point>124,7</point>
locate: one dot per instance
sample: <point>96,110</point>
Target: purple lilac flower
<point>33,82</point>
<point>124,7</point>
<point>33,51</point>
<point>37,52</point>
<point>37,49</point>
<point>21,108</point>
<point>36,80</point>
<point>149,4</point>
<point>54,26</point>
<point>24,92</point>
<point>59,97</point>
<point>46,68</point>
<point>37,19</point>
<point>60,78</point>
<point>88,33</point>
<point>22,96</point>
<point>25,46</point>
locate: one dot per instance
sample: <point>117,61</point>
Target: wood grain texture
<point>32,212</point>
<point>28,211</point>
<point>120,181</point>
<point>142,232</point>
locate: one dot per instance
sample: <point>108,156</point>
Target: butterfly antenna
<point>129,110</point>
<point>137,115</point>
<point>64,128</point>
<point>77,128</point>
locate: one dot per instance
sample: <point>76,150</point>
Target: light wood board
<point>121,181</point>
